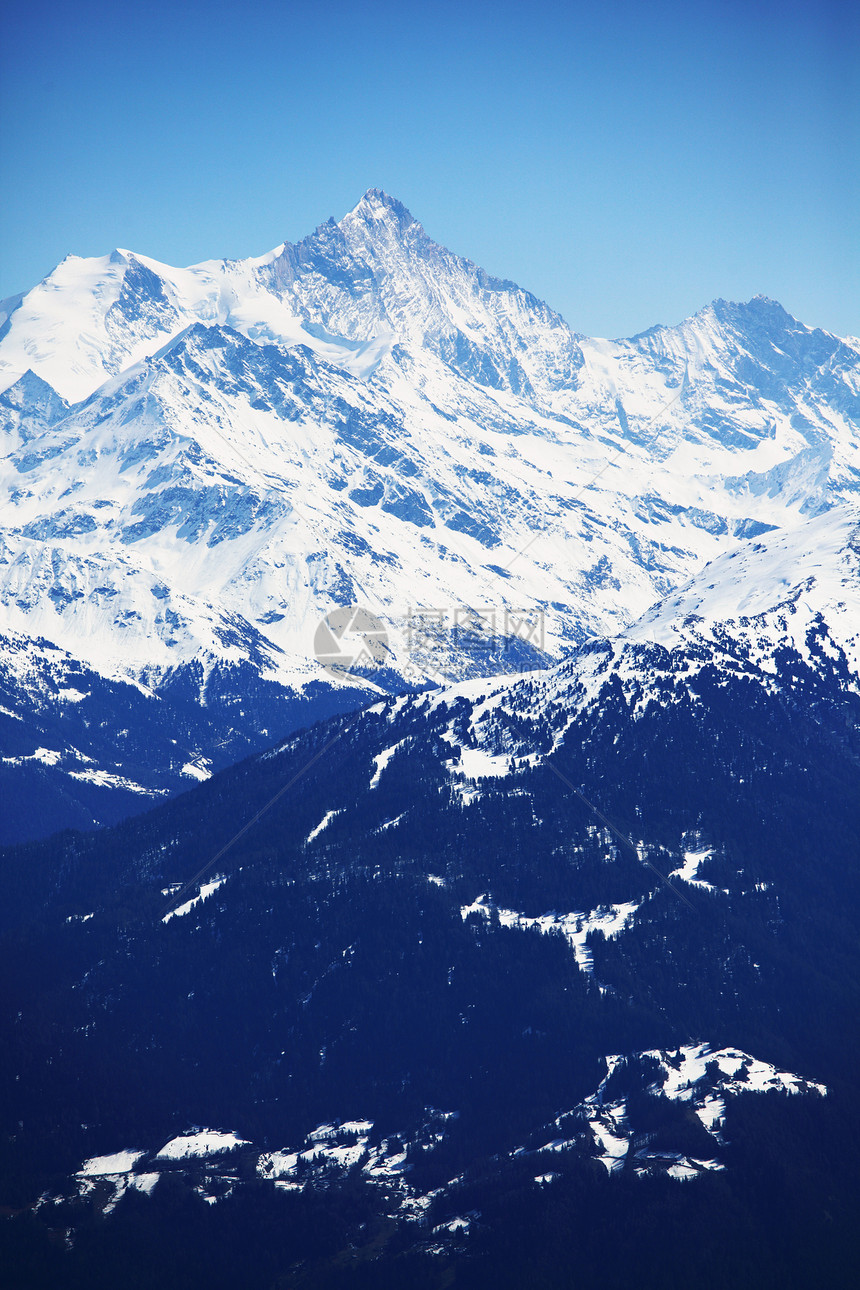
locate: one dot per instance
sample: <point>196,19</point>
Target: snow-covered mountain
<point>520,950</point>
<point>786,603</point>
<point>200,464</point>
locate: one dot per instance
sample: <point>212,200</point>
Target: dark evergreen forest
<point>328,980</point>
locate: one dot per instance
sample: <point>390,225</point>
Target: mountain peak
<point>759,306</point>
<point>378,205</point>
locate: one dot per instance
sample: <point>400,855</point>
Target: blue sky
<point>627,162</point>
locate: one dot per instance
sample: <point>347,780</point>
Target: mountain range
<point>429,753</point>
<point>201,465</point>
<point>445,988</point>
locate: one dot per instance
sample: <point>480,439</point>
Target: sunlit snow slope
<point>199,464</point>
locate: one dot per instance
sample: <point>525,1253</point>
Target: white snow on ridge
<point>90,774</point>
<point>738,1073</point>
<point>685,1168</point>
<point>104,779</point>
<point>205,1142</point>
<point>695,1074</point>
<point>118,1172</point>
<point>610,1137</point>
<point>198,769</point>
<point>102,1166</point>
<point>47,756</point>
<point>576,927</point>
<point>792,577</point>
<point>690,868</point>
<point>347,1145</point>
<point>70,695</point>
<point>62,328</point>
<point>323,824</point>
<point>380,761</point>
<point>391,824</point>
<point>802,586</point>
<point>206,890</point>
<point>475,763</point>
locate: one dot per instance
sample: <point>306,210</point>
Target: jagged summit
<point>376,203</point>
<point>763,308</point>
<point>374,273</point>
<point>378,274</point>
<point>29,386</point>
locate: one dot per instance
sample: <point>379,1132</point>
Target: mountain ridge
<point>516,950</point>
<point>386,432</point>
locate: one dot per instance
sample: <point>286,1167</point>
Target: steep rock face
<point>378,275</point>
<point>27,409</point>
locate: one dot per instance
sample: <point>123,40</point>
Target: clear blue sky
<point>627,162</point>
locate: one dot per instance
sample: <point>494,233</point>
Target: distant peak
<point>759,304</point>
<point>377,204</point>
<point>30,386</point>
<point>378,197</point>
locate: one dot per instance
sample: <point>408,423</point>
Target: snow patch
<point>121,1162</point>
<point>323,824</point>
<point>690,868</point>
<point>380,761</point>
<point>206,890</point>
<point>205,1142</point>
<point>199,769</point>
<point>576,927</point>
